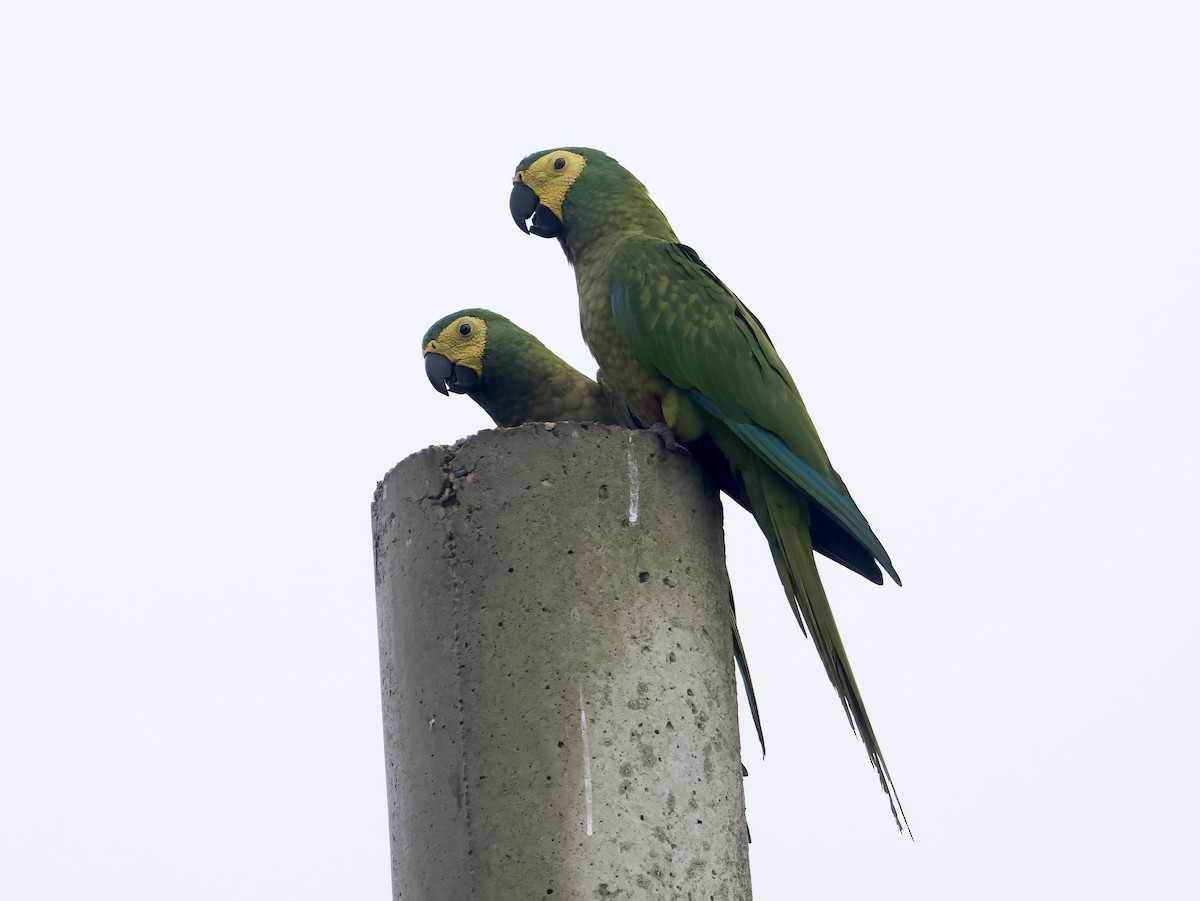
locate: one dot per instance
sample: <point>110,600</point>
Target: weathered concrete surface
<point>559,703</point>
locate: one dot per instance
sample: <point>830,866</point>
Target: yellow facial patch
<point>550,177</point>
<point>462,342</point>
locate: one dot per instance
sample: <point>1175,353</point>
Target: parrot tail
<point>784,517</point>
<point>743,665</point>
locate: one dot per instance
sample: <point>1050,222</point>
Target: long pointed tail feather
<point>743,665</point>
<point>783,515</point>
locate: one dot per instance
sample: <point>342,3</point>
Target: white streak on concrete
<point>587,764</point>
<point>634,486</point>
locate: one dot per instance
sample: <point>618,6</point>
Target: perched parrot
<point>692,362</point>
<point>510,373</point>
<point>517,379</point>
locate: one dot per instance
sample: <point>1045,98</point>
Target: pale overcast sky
<point>973,231</point>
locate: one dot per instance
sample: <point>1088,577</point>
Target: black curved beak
<point>446,376</point>
<point>523,202</point>
<point>439,370</point>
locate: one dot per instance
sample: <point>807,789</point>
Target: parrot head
<point>577,194</point>
<point>540,186</point>
<point>454,347</point>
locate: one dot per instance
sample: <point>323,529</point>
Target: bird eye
<point>560,163</point>
<point>465,328</point>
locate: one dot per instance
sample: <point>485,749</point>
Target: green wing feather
<point>682,323</point>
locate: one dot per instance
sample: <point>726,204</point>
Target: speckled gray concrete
<point>559,703</point>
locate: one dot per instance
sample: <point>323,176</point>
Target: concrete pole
<point>559,705</point>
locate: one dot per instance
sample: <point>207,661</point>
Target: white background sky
<point>972,230</point>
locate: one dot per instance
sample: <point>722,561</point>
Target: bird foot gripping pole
<point>559,705</point>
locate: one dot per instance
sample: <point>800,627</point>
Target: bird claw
<point>667,437</point>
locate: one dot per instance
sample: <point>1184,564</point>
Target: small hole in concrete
<point>643,577</point>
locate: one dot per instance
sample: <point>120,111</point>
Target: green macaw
<point>517,379</point>
<point>692,362</point>
<point>510,373</point>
